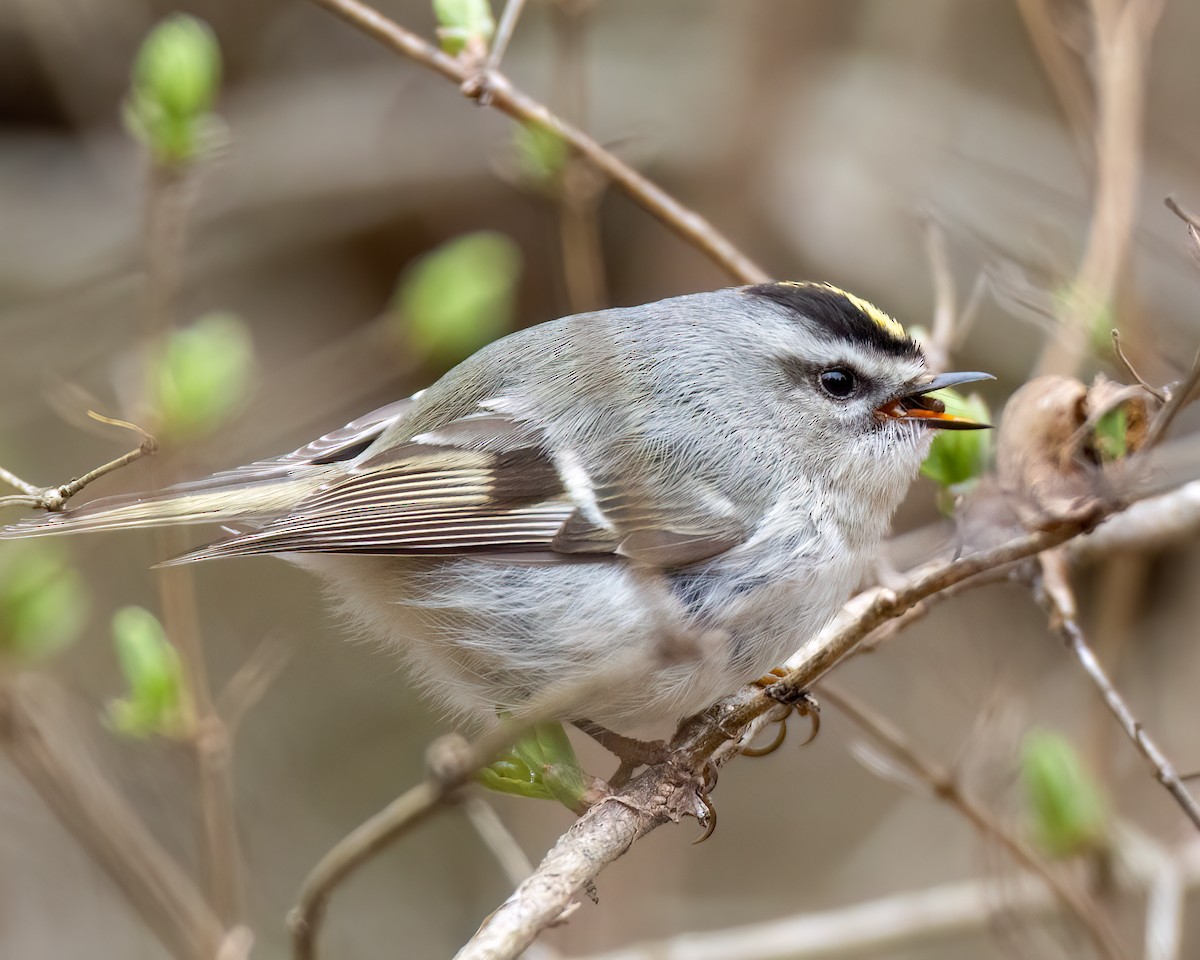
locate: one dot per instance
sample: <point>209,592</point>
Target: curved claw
<point>811,709</point>
<point>771,747</point>
<point>710,817</point>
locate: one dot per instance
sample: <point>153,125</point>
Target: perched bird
<point>625,513</point>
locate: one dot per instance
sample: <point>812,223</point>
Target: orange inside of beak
<point>933,412</point>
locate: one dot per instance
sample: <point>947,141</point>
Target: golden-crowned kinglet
<point>641,508</point>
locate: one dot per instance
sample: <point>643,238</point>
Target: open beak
<point>919,407</point>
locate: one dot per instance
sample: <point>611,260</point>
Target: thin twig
<point>498,839</point>
<point>880,926</point>
<point>1131,370</point>
<point>504,32</point>
<point>1121,41</point>
<point>1165,873</point>
<point>1055,593</point>
<point>403,813</point>
<point>170,195</point>
<point>452,762</point>
<point>55,498</point>
<point>944,786</point>
<point>941,337</point>
<point>509,100</point>
<point>251,681</point>
<point>1064,69</point>
<point>1179,395</point>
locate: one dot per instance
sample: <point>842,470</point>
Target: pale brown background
<point>813,132</point>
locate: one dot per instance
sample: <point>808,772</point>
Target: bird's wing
<point>486,483</point>
<point>344,443</point>
<point>254,492</point>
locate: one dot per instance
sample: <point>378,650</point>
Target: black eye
<point>839,382</point>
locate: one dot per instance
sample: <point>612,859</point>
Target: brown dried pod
<point>1041,460</point>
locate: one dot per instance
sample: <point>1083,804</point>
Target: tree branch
<point>1054,591</point>
<point>506,98</point>
<point>945,787</point>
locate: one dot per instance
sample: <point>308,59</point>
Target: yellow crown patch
<point>887,323</point>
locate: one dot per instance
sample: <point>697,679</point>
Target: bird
<point>617,516</point>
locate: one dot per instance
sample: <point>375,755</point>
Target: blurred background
<point>353,226</point>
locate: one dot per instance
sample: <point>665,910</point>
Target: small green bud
<point>461,295</point>
<point>541,153</point>
<point>958,458</point>
<point>542,765</point>
<point>1111,436</point>
<point>176,76</point>
<point>464,23</point>
<point>1066,806</point>
<point>152,670</point>
<point>43,603</point>
<point>204,375</point>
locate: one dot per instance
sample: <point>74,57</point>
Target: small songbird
<point>620,515</point>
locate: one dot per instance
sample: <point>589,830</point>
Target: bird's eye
<point>839,382</point>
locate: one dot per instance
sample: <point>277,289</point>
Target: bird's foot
<point>632,753</point>
<point>804,704</point>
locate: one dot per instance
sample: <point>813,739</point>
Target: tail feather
<point>256,501</point>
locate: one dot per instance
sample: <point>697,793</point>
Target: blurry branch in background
<point>37,736</point>
<point>251,681</point>
<point>1106,105</point>
<point>176,78</point>
<point>913,917</point>
<point>498,839</point>
<point>1052,587</point>
<point>579,187</point>
<point>950,325</point>
<point>504,32</point>
<point>944,786</point>
<point>688,224</point>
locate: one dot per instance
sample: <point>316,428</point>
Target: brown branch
<point>36,735</point>
<point>403,813</point>
<point>509,100</point>
<point>1122,30</point>
<point>945,787</point>
<point>942,334</point>
<point>55,498</point>
<point>1054,591</point>
<point>1156,522</point>
<point>504,31</point>
<point>170,196</point>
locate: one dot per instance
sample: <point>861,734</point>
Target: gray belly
<point>622,647</point>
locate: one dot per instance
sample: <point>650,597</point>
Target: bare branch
<point>1156,522</point>
<point>1179,395</point>
<point>251,681</point>
<point>504,32</point>
<point>403,813</point>
<point>55,498</point>
<point>945,787</point>
<point>1121,41</point>
<point>941,337</point>
<point>893,921</point>
<point>499,840</point>
<point>685,222</point>
<point>1055,593</point>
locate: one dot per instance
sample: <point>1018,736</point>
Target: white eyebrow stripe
<point>579,485</point>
